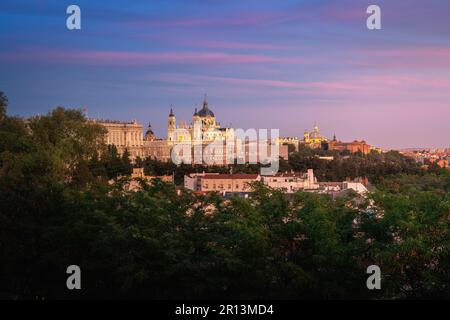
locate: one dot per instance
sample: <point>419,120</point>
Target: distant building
<point>138,174</point>
<point>326,158</point>
<point>443,163</point>
<point>427,156</point>
<point>314,139</point>
<point>335,188</point>
<point>377,150</point>
<point>217,182</point>
<point>289,182</point>
<point>292,182</point>
<point>352,147</point>
<point>290,141</point>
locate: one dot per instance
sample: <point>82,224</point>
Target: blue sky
<point>263,64</point>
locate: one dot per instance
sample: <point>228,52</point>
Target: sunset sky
<point>264,64</point>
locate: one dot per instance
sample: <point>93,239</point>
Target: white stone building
<point>291,182</point>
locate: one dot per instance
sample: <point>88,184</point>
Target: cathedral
<point>203,129</point>
<point>314,139</point>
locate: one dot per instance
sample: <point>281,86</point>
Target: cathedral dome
<point>205,112</point>
<point>149,135</point>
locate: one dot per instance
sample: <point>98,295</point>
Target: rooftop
<point>287,175</point>
<point>114,121</point>
<point>236,176</point>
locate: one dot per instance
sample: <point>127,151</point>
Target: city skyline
<point>263,65</point>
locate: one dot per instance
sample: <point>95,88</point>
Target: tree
<point>67,138</point>
<point>58,207</point>
<point>127,168</point>
<point>112,162</point>
<point>3,105</point>
<point>409,238</point>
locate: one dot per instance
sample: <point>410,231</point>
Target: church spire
<point>171,111</point>
<point>316,127</point>
<point>205,102</point>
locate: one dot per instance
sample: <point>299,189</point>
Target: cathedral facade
<point>203,129</point>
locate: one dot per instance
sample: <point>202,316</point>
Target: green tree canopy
<point>3,105</point>
<point>58,207</point>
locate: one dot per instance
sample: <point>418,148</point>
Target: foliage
<point>3,105</point>
<point>56,209</point>
<point>374,166</point>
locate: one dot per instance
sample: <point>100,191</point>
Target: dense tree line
<point>108,164</point>
<point>344,165</point>
<point>154,167</point>
<point>56,209</point>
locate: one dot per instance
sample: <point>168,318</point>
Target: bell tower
<point>171,126</point>
<point>306,136</point>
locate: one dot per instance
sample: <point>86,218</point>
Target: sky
<point>263,64</point>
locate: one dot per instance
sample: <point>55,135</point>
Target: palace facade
<point>123,135</point>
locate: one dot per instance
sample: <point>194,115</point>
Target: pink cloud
<point>233,45</point>
<point>258,18</point>
<point>242,19</point>
<point>412,57</point>
<point>345,13</point>
<point>416,52</point>
<point>298,87</point>
<point>388,85</point>
<point>142,58</point>
<point>255,18</point>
